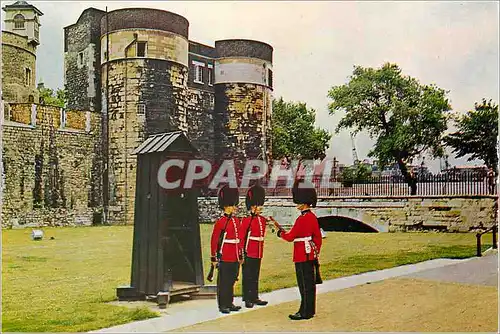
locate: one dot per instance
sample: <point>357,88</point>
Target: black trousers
<point>251,272</point>
<point>228,272</point>
<point>306,281</point>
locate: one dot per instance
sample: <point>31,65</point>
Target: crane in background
<point>354,153</point>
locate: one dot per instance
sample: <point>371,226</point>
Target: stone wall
<point>243,100</point>
<point>242,121</point>
<point>146,91</point>
<point>244,48</point>
<point>145,18</point>
<point>51,161</point>
<point>17,56</point>
<point>146,96</point>
<point>201,100</point>
<point>200,121</point>
<point>385,214</point>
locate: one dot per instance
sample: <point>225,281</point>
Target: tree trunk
<point>409,179</point>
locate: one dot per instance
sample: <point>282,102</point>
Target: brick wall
<point>51,171</point>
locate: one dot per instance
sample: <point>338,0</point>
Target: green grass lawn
<point>64,284</point>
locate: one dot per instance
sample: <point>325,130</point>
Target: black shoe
<point>234,308</point>
<point>248,305</point>
<point>224,310</point>
<point>260,302</point>
<point>298,316</point>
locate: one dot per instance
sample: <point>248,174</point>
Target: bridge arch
<point>358,220</point>
<point>344,224</point>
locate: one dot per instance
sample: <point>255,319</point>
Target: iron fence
<point>466,184</point>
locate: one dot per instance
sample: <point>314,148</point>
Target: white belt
<point>256,238</point>
<point>306,243</point>
<point>232,241</point>
<point>302,239</point>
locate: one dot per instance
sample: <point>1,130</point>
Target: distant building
<point>465,172</point>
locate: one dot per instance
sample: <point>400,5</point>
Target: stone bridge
<point>380,214</point>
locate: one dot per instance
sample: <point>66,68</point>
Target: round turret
<point>144,56</point>
<point>243,95</point>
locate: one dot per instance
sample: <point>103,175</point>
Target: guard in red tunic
<point>225,249</point>
<point>306,237</point>
<point>253,229</point>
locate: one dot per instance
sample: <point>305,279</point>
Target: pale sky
<point>454,45</point>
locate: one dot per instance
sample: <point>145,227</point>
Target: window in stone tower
<point>210,75</point>
<point>27,77</point>
<point>141,49</point>
<point>212,101</point>
<point>19,21</point>
<point>141,109</point>
<point>270,78</point>
<point>80,59</point>
<point>37,27</point>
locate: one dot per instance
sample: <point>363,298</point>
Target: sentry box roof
<point>167,141</point>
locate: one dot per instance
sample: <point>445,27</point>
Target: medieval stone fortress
<point>129,74</point>
<point>112,221</point>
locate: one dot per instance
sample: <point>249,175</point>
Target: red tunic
<point>254,245</point>
<point>306,226</point>
<point>231,251</point>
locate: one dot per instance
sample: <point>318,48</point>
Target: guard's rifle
<point>218,254</point>
<point>276,224</point>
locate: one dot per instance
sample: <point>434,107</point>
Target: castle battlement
<point>35,115</point>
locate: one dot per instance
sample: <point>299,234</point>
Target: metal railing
<point>438,185</point>
<point>494,230</point>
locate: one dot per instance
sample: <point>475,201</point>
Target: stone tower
<point>138,67</point>
<point>82,61</point>
<point>19,41</point>
<point>24,20</point>
<point>243,99</point>
<point>144,57</point>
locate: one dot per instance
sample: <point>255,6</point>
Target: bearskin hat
<point>304,193</point>
<point>255,196</point>
<point>228,196</point>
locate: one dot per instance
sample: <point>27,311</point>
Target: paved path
<point>478,271</point>
<point>193,312</point>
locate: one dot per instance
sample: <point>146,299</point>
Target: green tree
<point>477,134</point>
<point>404,117</point>
<point>49,97</point>
<point>355,174</point>
<point>294,134</point>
